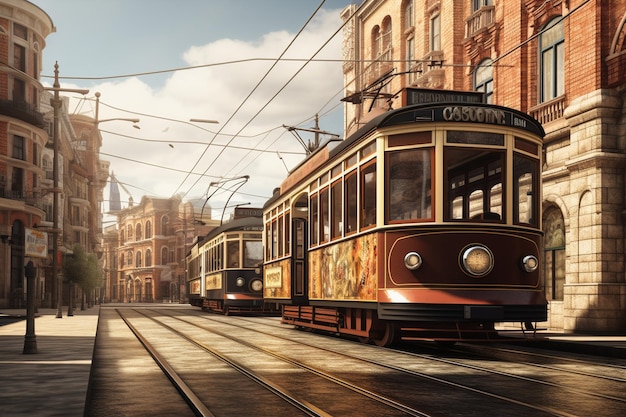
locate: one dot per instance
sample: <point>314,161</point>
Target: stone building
<point>561,61</point>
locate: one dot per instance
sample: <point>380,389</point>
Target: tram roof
<point>245,223</point>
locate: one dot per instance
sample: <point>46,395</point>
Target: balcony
<point>479,20</point>
<point>549,111</point>
<point>23,111</point>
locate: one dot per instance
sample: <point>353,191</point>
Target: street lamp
<point>56,105</point>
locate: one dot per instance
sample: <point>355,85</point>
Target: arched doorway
<point>554,264</point>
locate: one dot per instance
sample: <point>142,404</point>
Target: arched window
<point>408,14</point>
<point>164,255</point>
<point>138,232</point>
<point>129,232</point>
<point>164,225</point>
<point>138,259</point>
<point>554,253</point>
<point>376,39</point>
<point>148,229</point>
<point>387,40</point>
<point>148,257</point>
<point>483,79</point>
<point>552,60</point>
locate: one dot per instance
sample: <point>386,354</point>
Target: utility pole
<point>56,105</point>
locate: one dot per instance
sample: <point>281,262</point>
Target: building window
<point>164,256</point>
<point>18,148</point>
<point>483,79</point>
<point>148,229</point>
<point>376,41</point>
<point>554,253</point>
<point>20,31</point>
<point>148,257</point>
<point>552,60</point>
<point>165,225</point>
<point>408,15</point>
<point>477,4</point>
<point>19,57</point>
<point>138,260</point>
<point>138,232</point>
<point>435,33</point>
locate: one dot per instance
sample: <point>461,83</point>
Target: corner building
<point>23,139</point>
<point>564,63</point>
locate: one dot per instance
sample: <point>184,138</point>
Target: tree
<point>81,269</point>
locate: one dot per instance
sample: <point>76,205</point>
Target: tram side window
<point>314,221</point>
<point>368,193</point>
<point>409,185</point>
<point>474,184</point>
<point>525,205</point>
<point>324,216</point>
<point>336,209</point>
<point>232,254</point>
<point>351,203</point>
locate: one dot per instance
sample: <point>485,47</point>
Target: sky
<point>167,62</point>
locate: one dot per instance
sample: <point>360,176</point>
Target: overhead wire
<point>241,105</point>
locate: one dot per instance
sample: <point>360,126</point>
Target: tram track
<point>490,370</point>
<point>258,367</point>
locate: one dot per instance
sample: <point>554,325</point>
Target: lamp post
<point>56,105</point>
<point>30,339</point>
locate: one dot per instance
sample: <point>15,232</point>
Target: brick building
<point>145,254</point>
<point>563,62</point>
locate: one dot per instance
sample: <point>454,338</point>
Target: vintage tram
<point>422,225</point>
<point>224,268</point>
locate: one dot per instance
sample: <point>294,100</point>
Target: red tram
<point>423,225</point>
<point>224,268</point>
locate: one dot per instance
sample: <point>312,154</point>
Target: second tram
<point>422,225</point>
<point>224,268</point>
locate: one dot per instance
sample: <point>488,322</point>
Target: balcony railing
<point>549,111</point>
<point>480,19</point>
<point>23,111</point>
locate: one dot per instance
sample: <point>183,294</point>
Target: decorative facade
<point>561,61</point>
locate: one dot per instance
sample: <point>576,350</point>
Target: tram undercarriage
<point>367,327</point>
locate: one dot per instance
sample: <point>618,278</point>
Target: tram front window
<point>409,185</point>
<point>474,184</point>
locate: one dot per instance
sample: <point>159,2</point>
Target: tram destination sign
<point>429,96</point>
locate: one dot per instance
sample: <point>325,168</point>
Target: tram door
<point>299,279</point>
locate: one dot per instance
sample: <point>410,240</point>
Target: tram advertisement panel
<point>277,280</point>
<point>345,271</point>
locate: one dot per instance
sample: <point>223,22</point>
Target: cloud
<point>170,156</point>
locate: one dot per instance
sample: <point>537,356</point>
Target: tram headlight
<point>241,281</point>
<point>530,263</point>
<point>412,260</point>
<point>256,285</point>
<point>477,260</point>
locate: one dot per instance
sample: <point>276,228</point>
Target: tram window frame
<point>483,161</point>
<point>314,219</point>
<point>518,195</point>
<point>252,245</point>
<point>399,191</point>
<point>336,209</point>
<point>324,215</point>
<point>280,235</point>
<point>351,202</point>
<point>233,253</point>
<point>368,199</point>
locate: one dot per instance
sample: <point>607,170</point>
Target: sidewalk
<point>53,381</point>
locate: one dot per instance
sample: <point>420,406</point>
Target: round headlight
<point>477,260</point>
<point>412,261</point>
<point>241,281</point>
<point>530,263</point>
<point>256,285</point>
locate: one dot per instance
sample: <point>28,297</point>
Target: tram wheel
<point>388,337</point>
